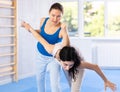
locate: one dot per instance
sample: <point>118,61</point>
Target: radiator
<point>106,55</point>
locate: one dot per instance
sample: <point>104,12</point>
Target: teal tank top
<point>50,38</point>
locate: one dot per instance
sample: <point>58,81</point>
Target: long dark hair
<point>69,53</point>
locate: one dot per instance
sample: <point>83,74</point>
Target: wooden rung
<point>7,35</point>
<point>7,25</point>
<point>6,69</point>
<point>4,16</point>
<point>6,74</point>
<point>11,7</point>
<point>5,2</point>
<point>9,54</point>
<point>3,65</point>
<point>6,45</point>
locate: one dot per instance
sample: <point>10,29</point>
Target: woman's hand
<point>111,85</point>
<point>26,25</point>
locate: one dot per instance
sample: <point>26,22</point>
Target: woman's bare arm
<point>64,35</point>
<point>52,49</point>
<point>97,69</point>
<point>49,47</point>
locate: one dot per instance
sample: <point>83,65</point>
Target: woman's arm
<point>52,49</point>
<point>47,46</point>
<point>97,69</point>
<point>64,35</point>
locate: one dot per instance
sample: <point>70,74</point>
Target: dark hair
<point>56,6</point>
<point>69,53</point>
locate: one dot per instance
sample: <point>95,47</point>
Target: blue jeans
<point>43,64</point>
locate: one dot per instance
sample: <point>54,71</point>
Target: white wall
<point>108,52</point>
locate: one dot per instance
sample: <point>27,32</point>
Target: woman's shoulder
<point>42,20</point>
<point>63,25</point>
<point>83,64</point>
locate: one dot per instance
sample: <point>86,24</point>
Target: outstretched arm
<point>47,46</point>
<point>97,69</point>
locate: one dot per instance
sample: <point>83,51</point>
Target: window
<point>101,18</point>
<point>70,17</point>
<point>94,18</point>
<point>113,18</point>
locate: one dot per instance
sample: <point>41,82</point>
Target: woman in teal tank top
<point>53,31</point>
